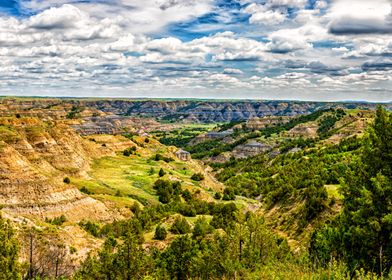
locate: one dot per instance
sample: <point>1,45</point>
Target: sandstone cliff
<point>35,157</point>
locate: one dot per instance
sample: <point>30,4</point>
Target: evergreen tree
<point>362,233</point>
<point>180,226</point>
<point>9,266</point>
<point>160,233</point>
<point>161,172</point>
<point>178,259</point>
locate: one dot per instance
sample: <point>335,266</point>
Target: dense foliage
<point>9,266</point>
<point>227,240</point>
<point>361,235</point>
<point>215,147</point>
<point>292,177</point>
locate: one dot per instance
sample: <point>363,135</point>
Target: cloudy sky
<point>262,49</point>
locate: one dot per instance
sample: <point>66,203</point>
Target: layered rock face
<point>212,111</point>
<point>176,110</point>
<point>208,111</point>
<point>34,158</point>
<point>252,148</point>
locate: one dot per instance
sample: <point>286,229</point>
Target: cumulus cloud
<point>261,15</point>
<point>360,17</point>
<point>66,16</point>
<point>378,65</point>
<point>232,71</point>
<point>170,47</point>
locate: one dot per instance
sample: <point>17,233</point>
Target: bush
<point>66,180</point>
<point>159,157</point>
<point>160,233</point>
<point>91,228</point>
<point>129,151</point>
<point>58,221</point>
<point>161,173</point>
<point>180,226</point>
<point>186,194</point>
<point>167,190</point>
<point>202,227</point>
<point>218,195</point>
<point>228,194</point>
<point>85,190</point>
<point>197,177</point>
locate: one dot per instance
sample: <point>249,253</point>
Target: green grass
<point>119,201</point>
<point>333,191</point>
<point>123,179</point>
<point>8,134</point>
<point>127,175</point>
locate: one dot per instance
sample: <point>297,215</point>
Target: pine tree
<point>160,233</point>
<point>161,172</point>
<point>362,234</point>
<point>9,265</point>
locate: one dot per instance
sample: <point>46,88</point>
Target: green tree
<point>180,226</point>
<point>197,177</point>
<point>161,172</point>
<point>9,265</point>
<point>178,259</point>
<point>160,233</point>
<point>202,227</point>
<point>362,234</point>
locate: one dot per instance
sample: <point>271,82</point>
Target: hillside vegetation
<point>312,200</point>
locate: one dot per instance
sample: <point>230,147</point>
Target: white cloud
<point>261,15</point>
<point>360,17</point>
<point>67,16</point>
<point>232,71</point>
<point>287,3</point>
<point>129,46</point>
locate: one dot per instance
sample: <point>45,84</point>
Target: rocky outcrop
<point>250,149</point>
<point>184,110</point>
<point>211,111</point>
<point>306,130</point>
<point>213,135</point>
<point>35,157</point>
<point>260,123</point>
<point>183,155</point>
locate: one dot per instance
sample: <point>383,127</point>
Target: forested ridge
<point>340,195</point>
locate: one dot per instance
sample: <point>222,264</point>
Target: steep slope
<point>35,156</point>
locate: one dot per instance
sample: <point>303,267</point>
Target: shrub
<point>160,233</point>
<point>167,190</point>
<point>186,194</point>
<point>66,180</point>
<point>197,177</point>
<point>218,195</point>
<point>129,151</point>
<point>202,227</point>
<point>159,157</point>
<point>229,194</point>
<point>57,221</point>
<point>161,173</point>
<point>180,226</point>
<point>85,190</point>
<point>90,227</point>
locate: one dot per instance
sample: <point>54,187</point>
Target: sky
<point>324,50</point>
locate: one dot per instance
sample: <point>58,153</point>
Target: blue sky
<point>259,49</point>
